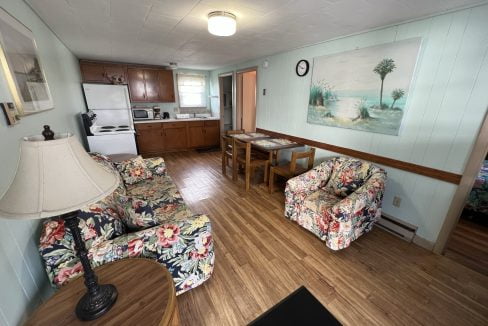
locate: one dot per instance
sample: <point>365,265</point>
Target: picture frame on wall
<point>22,67</point>
<point>10,113</point>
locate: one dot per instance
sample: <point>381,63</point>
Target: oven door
<point>141,114</point>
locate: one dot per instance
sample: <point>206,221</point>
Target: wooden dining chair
<point>226,148</point>
<point>244,156</point>
<point>292,169</point>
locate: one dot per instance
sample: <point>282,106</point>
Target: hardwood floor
<point>469,246</point>
<point>261,257</point>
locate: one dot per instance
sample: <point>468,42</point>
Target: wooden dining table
<point>267,143</point>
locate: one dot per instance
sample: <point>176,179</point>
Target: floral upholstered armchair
<point>145,217</point>
<point>338,200</point>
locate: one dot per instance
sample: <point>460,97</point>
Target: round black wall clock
<point>302,67</point>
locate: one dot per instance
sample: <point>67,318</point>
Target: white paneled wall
<point>23,281</point>
<point>446,105</point>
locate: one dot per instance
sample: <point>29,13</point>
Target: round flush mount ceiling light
<point>222,23</point>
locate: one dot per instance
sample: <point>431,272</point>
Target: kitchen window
<point>192,91</point>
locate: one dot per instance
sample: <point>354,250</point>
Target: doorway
<point>226,90</point>
<point>246,95</point>
<point>464,235</point>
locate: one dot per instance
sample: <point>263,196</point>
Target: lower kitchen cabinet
<point>212,133</point>
<point>149,137</point>
<point>175,136</point>
<point>155,138</point>
<point>196,134</point>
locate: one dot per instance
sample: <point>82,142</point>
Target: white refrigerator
<point>113,127</point>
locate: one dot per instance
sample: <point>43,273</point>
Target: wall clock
<point>302,67</point>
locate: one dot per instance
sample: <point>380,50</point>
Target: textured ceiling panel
<point>163,31</point>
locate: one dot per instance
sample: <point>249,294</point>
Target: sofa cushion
<point>151,202</point>
<point>109,165</point>
<point>321,201</point>
<point>348,175</point>
<point>134,170</point>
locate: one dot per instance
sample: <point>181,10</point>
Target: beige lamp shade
<point>54,177</point>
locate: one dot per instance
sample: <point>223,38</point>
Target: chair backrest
<point>309,155</point>
<point>234,132</point>
<point>241,145</point>
<point>348,175</point>
<point>225,142</point>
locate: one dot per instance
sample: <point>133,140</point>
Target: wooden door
<point>212,133</point>
<point>116,74</point>
<point>175,136</point>
<point>196,135</point>
<point>152,85</point>
<point>92,72</point>
<point>166,86</point>
<point>137,88</point>
<point>149,137</point>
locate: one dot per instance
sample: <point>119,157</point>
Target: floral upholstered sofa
<point>338,200</point>
<point>145,217</point>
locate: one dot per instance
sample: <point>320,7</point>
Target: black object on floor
<point>299,308</point>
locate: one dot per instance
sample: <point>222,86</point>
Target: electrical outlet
<point>397,201</point>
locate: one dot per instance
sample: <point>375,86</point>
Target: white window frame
<point>203,94</point>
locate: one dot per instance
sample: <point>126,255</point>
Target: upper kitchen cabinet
<point>151,85</point>
<point>146,83</point>
<point>166,86</point>
<point>137,84</point>
<point>101,72</point>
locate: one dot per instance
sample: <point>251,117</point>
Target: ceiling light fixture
<point>222,23</point>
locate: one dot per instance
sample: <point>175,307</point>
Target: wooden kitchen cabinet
<point>166,86</point>
<point>151,85</point>
<point>212,133</point>
<point>196,135</point>
<point>175,136</point>
<point>149,138</point>
<point>137,85</point>
<point>102,72</point>
<point>155,138</point>
<point>146,83</point>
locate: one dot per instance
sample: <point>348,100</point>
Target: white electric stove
<point>108,123</point>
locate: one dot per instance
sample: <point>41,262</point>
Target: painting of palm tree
<point>345,91</point>
<point>384,68</point>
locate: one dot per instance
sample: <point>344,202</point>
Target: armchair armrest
<point>156,165</point>
<point>365,201</point>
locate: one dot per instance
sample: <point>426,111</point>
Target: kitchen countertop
<point>175,120</point>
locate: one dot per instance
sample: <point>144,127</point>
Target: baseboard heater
<point>399,228</point>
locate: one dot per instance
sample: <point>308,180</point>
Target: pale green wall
<point>447,103</point>
<point>23,281</point>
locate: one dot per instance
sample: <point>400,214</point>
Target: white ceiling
<point>161,31</point>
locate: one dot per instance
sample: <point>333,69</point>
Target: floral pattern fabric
<point>179,240</point>
<point>478,197</point>
<point>151,202</point>
<point>134,170</point>
<point>316,201</point>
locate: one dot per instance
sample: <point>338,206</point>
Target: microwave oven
<point>143,114</point>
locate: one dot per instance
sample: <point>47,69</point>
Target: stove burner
<point>123,126</point>
<point>105,130</point>
<point>122,129</point>
<point>107,127</point>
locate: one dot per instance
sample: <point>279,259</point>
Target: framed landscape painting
<point>364,89</point>
<point>22,68</point>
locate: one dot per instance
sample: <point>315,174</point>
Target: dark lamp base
<point>91,307</point>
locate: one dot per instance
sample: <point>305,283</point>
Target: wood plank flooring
<point>469,246</point>
<point>261,257</point>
